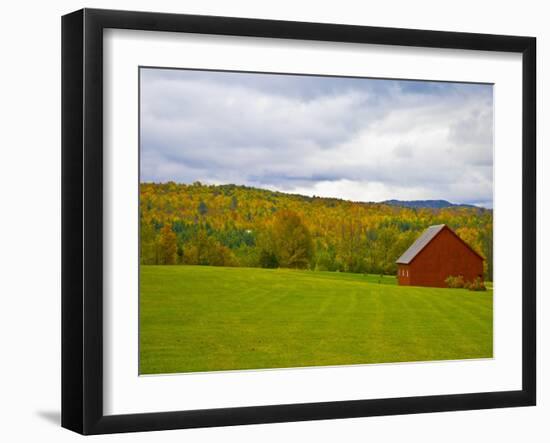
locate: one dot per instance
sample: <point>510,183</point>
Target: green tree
<point>384,249</point>
<point>202,208</point>
<point>268,259</point>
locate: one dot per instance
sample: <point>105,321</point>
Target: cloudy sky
<point>356,139</point>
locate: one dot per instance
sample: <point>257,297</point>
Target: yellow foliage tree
<point>168,246</point>
<point>292,240</point>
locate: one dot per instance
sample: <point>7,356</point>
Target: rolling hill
<point>233,225</point>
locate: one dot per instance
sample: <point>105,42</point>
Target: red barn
<point>434,256</point>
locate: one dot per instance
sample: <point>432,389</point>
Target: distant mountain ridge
<point>435,204</point>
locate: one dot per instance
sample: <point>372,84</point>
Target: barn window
<point>407,272</point>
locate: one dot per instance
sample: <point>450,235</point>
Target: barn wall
<point>403,275</point>
<point>445,255</point>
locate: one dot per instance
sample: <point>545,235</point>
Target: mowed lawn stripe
<point>198,318</point>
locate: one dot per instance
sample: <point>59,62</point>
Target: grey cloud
<point>403,150</point>
<point>305,134</point>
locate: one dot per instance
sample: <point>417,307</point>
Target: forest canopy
<point>231,225</point>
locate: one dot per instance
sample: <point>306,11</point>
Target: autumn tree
<point>292,244</point>
<point>387,237</point>
<point>205,250</point>
<point>325,257</point>
<point>149,245</point>
<point>471,236</point>
<point>168,246</point>
<point>267,256</point>
<point>352,246</point>
<point>486,238</point>
<point>244,226</point>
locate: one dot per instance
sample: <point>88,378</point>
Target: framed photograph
<point>268,221</point>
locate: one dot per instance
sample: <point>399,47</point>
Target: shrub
<point>459,282</point>
<point>455,281</point>
<point>476,285</point>
<point>268,259</point>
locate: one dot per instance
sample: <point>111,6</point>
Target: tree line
<point>230,225</point>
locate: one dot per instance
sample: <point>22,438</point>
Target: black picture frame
<point>82,218</point>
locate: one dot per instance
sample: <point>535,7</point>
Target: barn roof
<point>419,244</point>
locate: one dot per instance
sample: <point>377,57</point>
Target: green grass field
<point>199,318</point>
